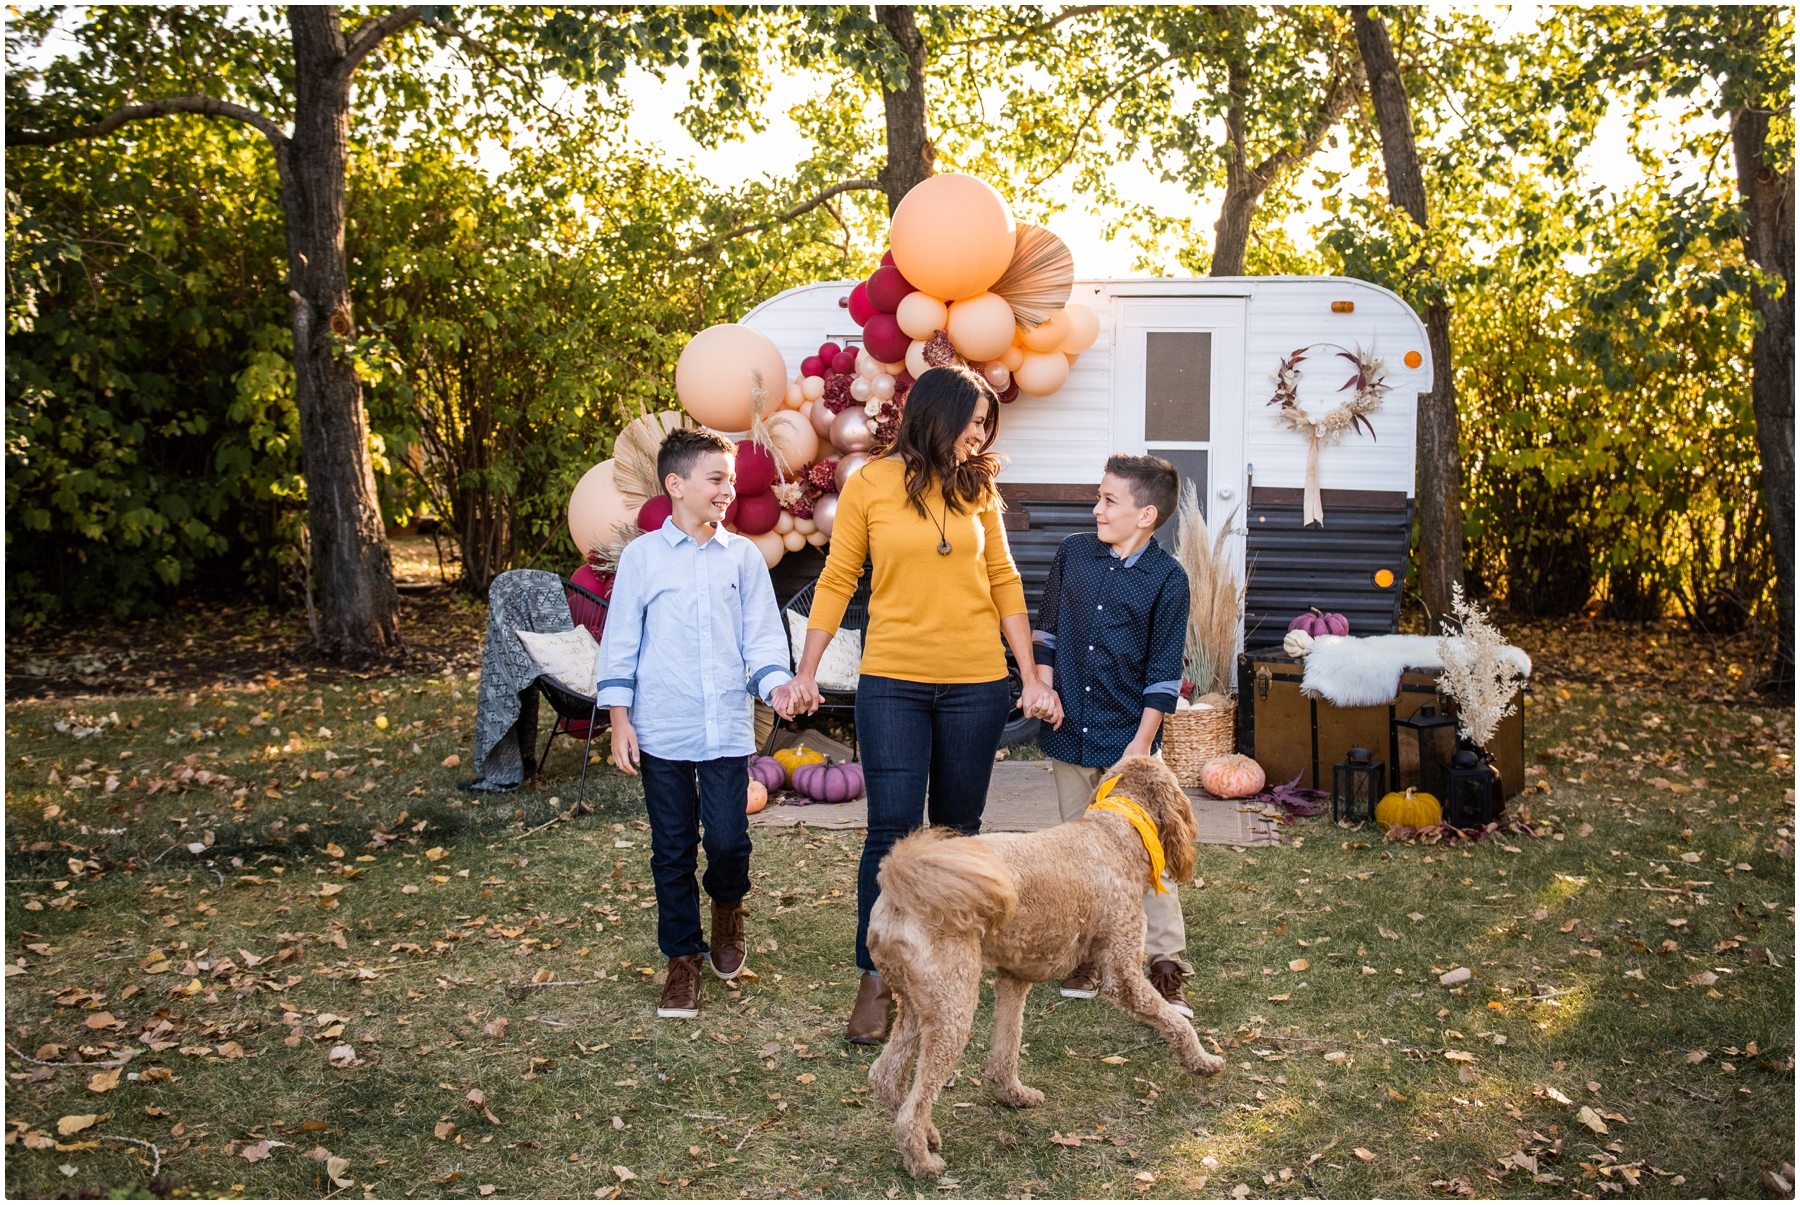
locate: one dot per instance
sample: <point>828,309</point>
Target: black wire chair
<point>576,715</point>
<point>856,618</point>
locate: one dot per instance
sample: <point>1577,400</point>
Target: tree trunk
<point>909,150</point>
<point>1439,449</point>
<point>1231,236</point>
<point>1768,194</point>
<point>352,568</point>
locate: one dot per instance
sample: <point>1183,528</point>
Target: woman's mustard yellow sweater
<point>932,618</point>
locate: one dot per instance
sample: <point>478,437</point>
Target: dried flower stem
<point>1215,598</point>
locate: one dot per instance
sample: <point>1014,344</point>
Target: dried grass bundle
<point>634,453</point>
<point>1215,598</point>
<point>1481,671</point>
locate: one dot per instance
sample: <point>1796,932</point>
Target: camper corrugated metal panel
<point>1336,567</point>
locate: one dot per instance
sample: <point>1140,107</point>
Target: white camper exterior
<point>1185,369</point>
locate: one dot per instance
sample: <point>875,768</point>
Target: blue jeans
<point>690,802</point>
<point>921,743</point>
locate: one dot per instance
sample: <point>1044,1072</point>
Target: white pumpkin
<point>1296,643</point>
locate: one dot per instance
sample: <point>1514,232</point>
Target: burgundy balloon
<point>851,431</point>
<point>827,351</point>
<point>851,462</point>
<point>887,289</point>
<point>1010,393</point>
<point>887,259</point>
<point>861,308</point>
<point>844,362</point>
<point>904,380</point>
<point>822,418</point>
<point>731,512</point>
<point>755,468</point>
<point>825,513</point>
<point>757,513</point>
<point>812,366</point>
<point>650,516</point>
<point>884,338</point>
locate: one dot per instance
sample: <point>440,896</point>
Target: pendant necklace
<point>943,538</point>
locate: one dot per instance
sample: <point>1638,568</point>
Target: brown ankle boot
<point>1167,977</point>
<point>1083,982</point>
<point>869,1019</point>
<point>728,948</point>
<point>681,993</point>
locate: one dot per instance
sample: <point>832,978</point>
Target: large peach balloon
<point>1084,328</point>
<point>771,547</point>
<point>1048,335</point>
<point>952,236</point>
<point>714,377</point>
<point>1042,373</point>
<point>794,437</point>
<point>921,315</point>
<point>596,508</point>
<point>981,327</point>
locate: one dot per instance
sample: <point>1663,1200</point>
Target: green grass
<point>761,1097</point>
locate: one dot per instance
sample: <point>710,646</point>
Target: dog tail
<point>949,882</point>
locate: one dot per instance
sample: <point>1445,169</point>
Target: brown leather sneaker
<point>681,994</point>
<point>869,1019</point>
<point>1167,977</point>
<point>728,949</point>
<point>1083,983</point>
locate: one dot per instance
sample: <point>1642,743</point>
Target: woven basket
<point>1192,738</point>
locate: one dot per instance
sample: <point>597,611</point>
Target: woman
<point>932,697</point>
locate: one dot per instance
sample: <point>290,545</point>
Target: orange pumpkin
<point>1233,776</point>
<point>757,799</point>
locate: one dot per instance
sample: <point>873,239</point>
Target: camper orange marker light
<point>1413,359</point>
<point>1384,578</point>
<point>1343,307</point>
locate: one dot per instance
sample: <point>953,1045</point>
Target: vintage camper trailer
<point>1185,369</point>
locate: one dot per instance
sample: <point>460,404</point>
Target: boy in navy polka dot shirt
<point>1109,640</point>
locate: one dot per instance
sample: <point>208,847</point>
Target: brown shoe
<point>1083,983</point>
<point>869,1019</point>
<point>1167,977</point>
<point>681,994</point>
<point>727,957</point>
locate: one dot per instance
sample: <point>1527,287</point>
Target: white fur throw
<point>1364,671</point>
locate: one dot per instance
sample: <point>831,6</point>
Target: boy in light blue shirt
<point>692,621</point>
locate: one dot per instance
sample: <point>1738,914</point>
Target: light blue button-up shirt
<point>688,627</point>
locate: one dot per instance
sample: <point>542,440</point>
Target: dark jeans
<point>690,802</point>
<point>921,743</point>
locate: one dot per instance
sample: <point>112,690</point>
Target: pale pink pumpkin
<point>1233,776</point>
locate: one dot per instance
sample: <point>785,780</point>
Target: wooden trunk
<point>1289,734</point>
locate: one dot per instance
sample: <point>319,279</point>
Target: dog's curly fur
<point>1033,906</point>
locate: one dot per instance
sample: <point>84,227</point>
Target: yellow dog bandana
<point>1139,819</point>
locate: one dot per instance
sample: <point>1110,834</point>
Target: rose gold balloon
<point>849,465</point>
<point>851,432</point>
<point>825,514</point>
<point>822,418</point>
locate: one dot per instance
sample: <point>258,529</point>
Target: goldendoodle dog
<point>1032,906</point>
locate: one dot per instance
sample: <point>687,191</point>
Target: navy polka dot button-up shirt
<point>1114,630</point>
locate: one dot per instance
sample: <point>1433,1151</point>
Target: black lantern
<point>1468,783</point>
<point>1422,745</point>
<point>1356,784</point>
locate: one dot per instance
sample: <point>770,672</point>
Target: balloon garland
<point>962,283</point>
<point>1370,383</point>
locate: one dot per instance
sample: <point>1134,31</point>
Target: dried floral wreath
<point>1370,384</point>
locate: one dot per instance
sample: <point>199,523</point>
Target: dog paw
<point>1201,1063</point>
<point>1019,1096</point>
<point>925,1164</point>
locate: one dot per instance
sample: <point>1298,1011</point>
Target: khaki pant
<point>1165,933</point>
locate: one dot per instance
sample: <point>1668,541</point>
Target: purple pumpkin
<point>829,782</point>
<point>768,771</point>
<point>1320,623</point>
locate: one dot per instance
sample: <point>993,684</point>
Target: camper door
<point>1178,392</point>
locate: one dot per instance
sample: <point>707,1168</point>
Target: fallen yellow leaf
<point>1363,1153</point>
<point>104,1081</point>
<point>75,1123</point>
<point>437,853</point>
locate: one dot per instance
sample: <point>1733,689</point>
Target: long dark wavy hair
<point>938,408</point>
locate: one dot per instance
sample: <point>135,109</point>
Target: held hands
<point>1040,702</point>
<point>798,696</point>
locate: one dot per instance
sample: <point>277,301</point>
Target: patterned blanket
<point>506,710</point>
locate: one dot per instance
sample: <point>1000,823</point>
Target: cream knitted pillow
<point>571,659</point>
